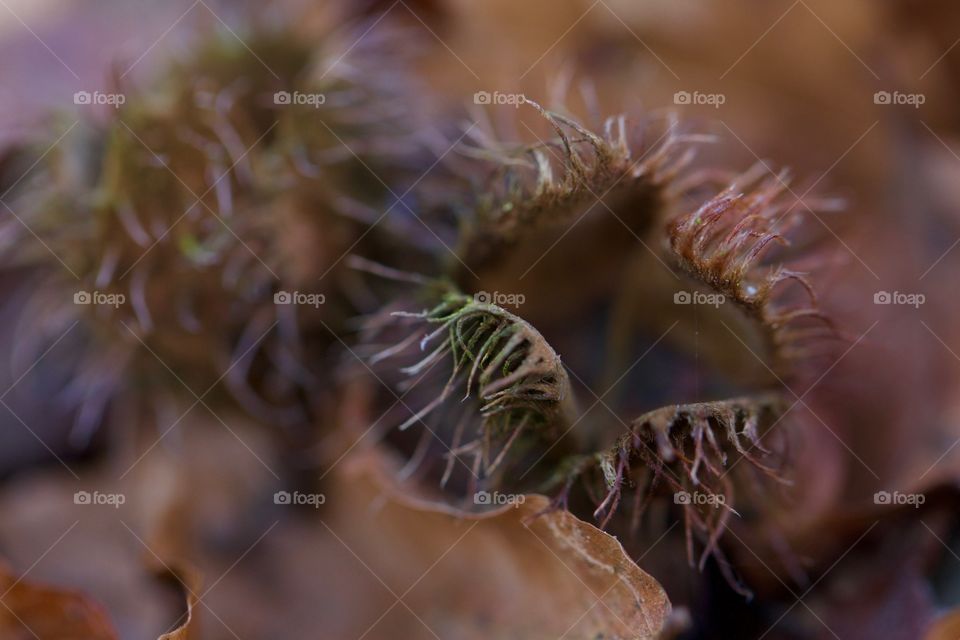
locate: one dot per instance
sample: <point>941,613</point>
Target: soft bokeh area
<point>456,319</point>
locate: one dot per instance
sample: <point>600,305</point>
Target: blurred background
<point>857,99</point>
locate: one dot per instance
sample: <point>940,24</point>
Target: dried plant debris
<point>724,243</point>
<point>520,385</point>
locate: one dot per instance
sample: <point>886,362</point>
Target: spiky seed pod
<point>198,202</point>
<point>724,244</point>
<point>693,449</point>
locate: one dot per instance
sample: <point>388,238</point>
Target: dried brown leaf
<point>533,572</point>
<point>190,581</point>
<point>32,610</point>
<point>947,627</point>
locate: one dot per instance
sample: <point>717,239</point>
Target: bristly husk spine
<point>688,448</point>
<point>546,184</point>
<point>723,243</point>
<point>518,379</point>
